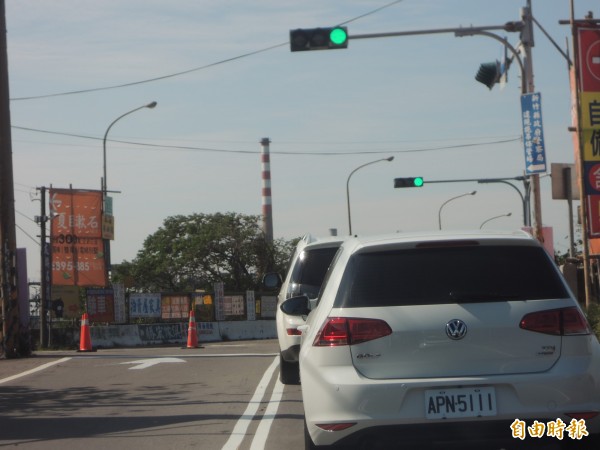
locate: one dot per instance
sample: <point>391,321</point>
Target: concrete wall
<point>176,333</point>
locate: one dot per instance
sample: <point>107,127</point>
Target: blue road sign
<point>533,133</point>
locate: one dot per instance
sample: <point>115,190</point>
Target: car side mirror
<point>272,281</point>
<point>296,306</point>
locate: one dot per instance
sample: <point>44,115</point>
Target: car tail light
<point>349,331</point>
<point>293,332</point>
<point>560,322</point>
<point>335,426</point>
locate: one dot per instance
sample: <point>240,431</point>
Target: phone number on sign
<point>81,266</point>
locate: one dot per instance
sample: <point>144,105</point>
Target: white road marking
<point>239,431</point>
<point>37,369</point>
<point>262,433</point>
<point>145,363</point>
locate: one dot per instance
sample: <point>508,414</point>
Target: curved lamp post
<point>448,201</point>
<point>149,105</point>
<point>391,158</point>
<point>495,217</point>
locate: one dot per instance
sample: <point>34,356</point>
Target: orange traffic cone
<point>192,338</point>
<point>85,339</point>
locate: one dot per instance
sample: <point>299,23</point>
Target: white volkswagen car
<point>434,339</point>
<point>305,274</point>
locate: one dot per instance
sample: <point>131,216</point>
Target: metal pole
<point>448,201</point>
<point>106,242</point>
<point>566,172</point>
<point>43,284</point>
<point>523,201</point>
<point>492,218</point>
<point>509,26</point>
<point>104,183</point>
<point>587,272</point>
<point>527,42</point>
<point>391,158</point>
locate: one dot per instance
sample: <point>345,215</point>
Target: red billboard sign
<point>76,238</point>
<point>589,57</point>
<point>594,215</point>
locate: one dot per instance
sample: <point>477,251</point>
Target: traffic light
<point>408,182</point>
<point>489,73</point>
<point>318,38</point>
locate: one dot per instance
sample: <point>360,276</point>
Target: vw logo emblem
<point>456,329</point>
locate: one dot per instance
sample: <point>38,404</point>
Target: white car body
<point>307,268</point>
<point>422,381</point>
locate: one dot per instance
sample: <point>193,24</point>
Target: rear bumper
<point>394,410</point>
<point>291,354</point>
<point>472,435</point>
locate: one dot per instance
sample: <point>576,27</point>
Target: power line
<point>195,69</point>
<point>255,152</point>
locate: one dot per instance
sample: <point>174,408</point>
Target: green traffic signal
<point>408,182</point>
<point>327,38</point>
<point>338,36</point>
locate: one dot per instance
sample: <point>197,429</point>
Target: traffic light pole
<point>525,27</point>
<point>525,199</point>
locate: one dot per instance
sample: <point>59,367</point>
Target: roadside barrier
<point>192,338</point>
<point>85,338</point>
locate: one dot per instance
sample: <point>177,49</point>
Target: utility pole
<point>10,332</point>
<point>527,43</point>
<point>44,269</point>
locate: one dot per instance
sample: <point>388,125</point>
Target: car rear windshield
<point>309,271</point>
<point>438,275</point>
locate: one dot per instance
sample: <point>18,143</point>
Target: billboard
<point>144,305</point>
<point>76,238</point>
<point>100,305</point>
<point>589,99</point>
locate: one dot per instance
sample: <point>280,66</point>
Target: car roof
<point>517,237</point>
<point>310,241</point>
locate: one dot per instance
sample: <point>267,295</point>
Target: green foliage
<point>193,252</point>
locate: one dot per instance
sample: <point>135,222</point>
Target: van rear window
<point>442,275</point>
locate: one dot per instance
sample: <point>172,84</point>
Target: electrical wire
<point>195,69</point>
<point>255,152</point>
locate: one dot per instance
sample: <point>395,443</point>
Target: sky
<point>224,78</point>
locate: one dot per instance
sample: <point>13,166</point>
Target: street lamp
<point>448,201</point>
<point>149,105</point>
<point>391,158</point>
<point>106,242</point>
<point>495,217</point>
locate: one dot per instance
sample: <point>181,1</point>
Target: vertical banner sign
<point>589,82</point>
<point>533,133</point>
<point>119,302</point>
<point>219,301</point>
<point>76,237</point>
<point>250,305</point>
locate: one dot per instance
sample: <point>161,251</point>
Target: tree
<point>195,251</point>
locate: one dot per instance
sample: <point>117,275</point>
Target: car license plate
<point>460,402</point>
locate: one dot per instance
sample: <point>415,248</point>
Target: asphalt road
<point>221,396</point>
